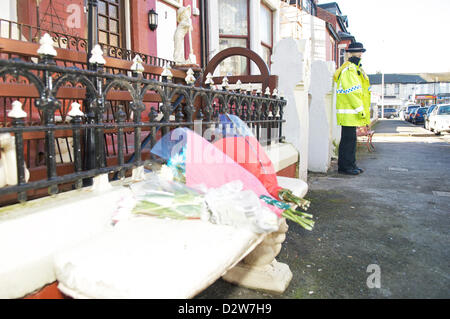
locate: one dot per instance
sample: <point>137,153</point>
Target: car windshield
<point>444,109</point>
<point>422,110</point>
<point>430,109</point>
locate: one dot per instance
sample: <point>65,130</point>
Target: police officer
<point>352,106</point>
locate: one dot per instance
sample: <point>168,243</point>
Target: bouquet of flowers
<point>198,164</point>
<point>163,197</point>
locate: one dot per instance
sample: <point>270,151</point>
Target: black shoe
<point>359,169</point>
<point>349,171</point>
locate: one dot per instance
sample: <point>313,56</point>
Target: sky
<point>401,36</point>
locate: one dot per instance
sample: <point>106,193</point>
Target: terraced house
<point>88,87</point>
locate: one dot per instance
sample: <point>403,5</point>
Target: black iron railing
<point>178,105</point>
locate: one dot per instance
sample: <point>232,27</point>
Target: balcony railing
<point>100,133</point>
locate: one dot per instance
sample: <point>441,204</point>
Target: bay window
<point>234,32</point>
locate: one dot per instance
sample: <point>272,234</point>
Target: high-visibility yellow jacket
<point>352,95</point>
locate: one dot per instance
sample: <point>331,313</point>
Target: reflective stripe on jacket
<point>352,95</point>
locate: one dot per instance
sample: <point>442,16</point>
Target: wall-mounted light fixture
<point>152,20</point>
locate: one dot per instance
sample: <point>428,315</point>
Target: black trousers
<point>347,148</point>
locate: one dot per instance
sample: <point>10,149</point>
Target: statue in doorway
<point>184,26</point>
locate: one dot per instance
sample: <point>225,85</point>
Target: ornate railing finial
<point>46,48</point>
<point>97,55</point>
<point>225,84</point>
<point>238,85</point>
<point>137,65</point>
<point>275,93</point>
<point>209,81</point>
<point>166,73</point>
<point>17,112</point>
<point>75,110</point>
<point>190,78</point>
<point>249,89</point>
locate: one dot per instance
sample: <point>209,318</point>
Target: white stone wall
<point>293,81</point>
<point>320,116</point>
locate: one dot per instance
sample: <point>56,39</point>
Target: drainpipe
<point>89,145</point>
<point>92,27</point>
<point>204,33</point>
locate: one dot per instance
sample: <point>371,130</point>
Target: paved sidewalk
<point>395,215</point>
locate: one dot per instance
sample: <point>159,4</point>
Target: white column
<point>293,82</point>
<point>127,24</point>
<point>319,123</point>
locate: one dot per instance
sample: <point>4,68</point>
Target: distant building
<point>404,89</point>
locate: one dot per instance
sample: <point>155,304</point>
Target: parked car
<point>410,113</point>
<point>388,113</point>
<point>408,109</point>
<point>417,116</point>
<point>440,119</point>
<point>426,116</point>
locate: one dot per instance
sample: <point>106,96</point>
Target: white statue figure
<point>184,26</point>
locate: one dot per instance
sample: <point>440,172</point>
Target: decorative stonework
<point>184,27</point>
<point>259,269</point>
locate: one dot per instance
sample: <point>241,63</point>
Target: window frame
<point>246,37</point>
<point>266,45</point>
<point>121,34</point>
<point>175,3</point>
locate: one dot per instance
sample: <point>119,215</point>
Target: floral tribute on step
<point>229,181</point>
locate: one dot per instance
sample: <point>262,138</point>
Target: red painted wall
<point>143,40</point>
<point>65,16</point>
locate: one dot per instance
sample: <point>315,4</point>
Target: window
<point>341,56</point>
<point>110,22</point>
<point>309,7</point>
<point>266,32</point>
<point>397,89</point>
<point>234,32</point>
<point>445,109</point>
